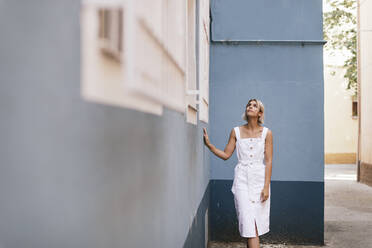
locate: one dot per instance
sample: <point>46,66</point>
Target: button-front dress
<point>249,180</point>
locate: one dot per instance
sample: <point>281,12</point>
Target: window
<point>110,32</point>
<point>105,69</point>
<point>142,55</point>
<point>354,107</point>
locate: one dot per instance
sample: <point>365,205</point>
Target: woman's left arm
<point>268,163</point>
<point>268,157</point>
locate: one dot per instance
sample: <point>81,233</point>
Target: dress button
<point>251,147</point>
<point>251,155</point>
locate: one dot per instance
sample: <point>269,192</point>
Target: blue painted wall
<point>80,174</point>
<point>266,20</point>
<point>270,50</point>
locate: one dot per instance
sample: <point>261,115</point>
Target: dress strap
<point>237,132</point>
<point>264,132</point>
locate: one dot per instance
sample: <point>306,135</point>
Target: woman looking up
<point>252,175</point>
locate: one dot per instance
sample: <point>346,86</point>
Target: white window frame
<point>111,32</point>
<point>204,41</point>
<point>191,85</point>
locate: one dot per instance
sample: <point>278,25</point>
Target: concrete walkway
<point>348,208</point>
<point>348,211</point>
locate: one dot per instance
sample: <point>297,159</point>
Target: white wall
<point>340,129</point>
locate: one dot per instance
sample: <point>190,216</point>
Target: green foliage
<point>340,32</point>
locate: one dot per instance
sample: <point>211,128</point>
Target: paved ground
<point>348,208</point>
<point>241,245</point>
<point>348,211</point>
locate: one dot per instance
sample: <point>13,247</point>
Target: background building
<point>271,50</point>
<point>365,91</point>
<point>341,118</point>
<point>341,105</point>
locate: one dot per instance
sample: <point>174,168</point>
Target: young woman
<point>252,174</point>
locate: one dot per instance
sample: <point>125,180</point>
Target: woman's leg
<point>254,242</point>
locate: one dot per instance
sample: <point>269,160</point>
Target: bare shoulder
<point>269,133</point>
<point>232,132</point>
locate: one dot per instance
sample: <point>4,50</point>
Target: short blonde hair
<point>261,109</point>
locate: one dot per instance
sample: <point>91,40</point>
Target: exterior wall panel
<point>365,80</point>
<point>271,50</point>
<point>80,174</point>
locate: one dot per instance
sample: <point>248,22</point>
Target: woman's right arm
<point>229,149</point>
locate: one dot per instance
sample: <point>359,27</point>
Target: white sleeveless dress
<point>249,180</point>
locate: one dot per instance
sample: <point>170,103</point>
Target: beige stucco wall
<point>366,81</point>
<point>340,129</point>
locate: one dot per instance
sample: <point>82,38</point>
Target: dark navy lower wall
<point>296,214</point>
<point>198,233</point>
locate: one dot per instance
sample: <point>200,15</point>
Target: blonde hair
<point>261,109</point>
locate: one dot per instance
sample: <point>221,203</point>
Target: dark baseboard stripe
<point>296,215</point>
<point>196,236</point>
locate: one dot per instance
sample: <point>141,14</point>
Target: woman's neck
<point>252,124</point>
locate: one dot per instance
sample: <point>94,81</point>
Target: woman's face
<point>253,109</point>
